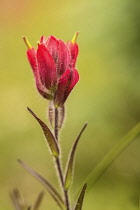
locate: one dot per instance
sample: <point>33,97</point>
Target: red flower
<point>53,65</point>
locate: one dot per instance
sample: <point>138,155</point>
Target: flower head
<point>53,65</point>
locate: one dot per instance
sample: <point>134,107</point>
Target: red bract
<point>53,65</point>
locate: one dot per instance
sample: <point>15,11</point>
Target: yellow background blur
<point>107,96</point>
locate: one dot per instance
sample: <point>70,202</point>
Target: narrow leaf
<point>112,155</point>
<point>15,201</point>
<point>38,201</point>
<point>48,135</point>
<point>48,186</point>
<point>51,113</point>
<point>70,163</point>
<point>61,114</point>
<point>79,203</point>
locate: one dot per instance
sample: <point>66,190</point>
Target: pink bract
<point>53,65</point>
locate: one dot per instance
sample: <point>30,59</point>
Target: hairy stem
<point>58,163</point>
<point>60,172</point>
<point>66,199</point>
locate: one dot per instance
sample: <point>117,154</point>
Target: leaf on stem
<point>51,113</point>
<point>70,162</point>
<point>79,203</point>
<point>48,135</point>
<point>48,186</point>
<point>17,200</point>
<point>61,114</point>
<point>38,201</point>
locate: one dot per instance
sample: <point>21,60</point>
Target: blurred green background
<point>107,96</point>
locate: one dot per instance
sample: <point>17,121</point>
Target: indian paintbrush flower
<point>53,65</point>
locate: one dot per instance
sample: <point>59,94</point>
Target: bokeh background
<point>107,96</point>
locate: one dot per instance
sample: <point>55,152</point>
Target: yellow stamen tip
<point>29,46</point>
<point>75,37</point>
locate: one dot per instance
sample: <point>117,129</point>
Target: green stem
<point>58,163</point>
